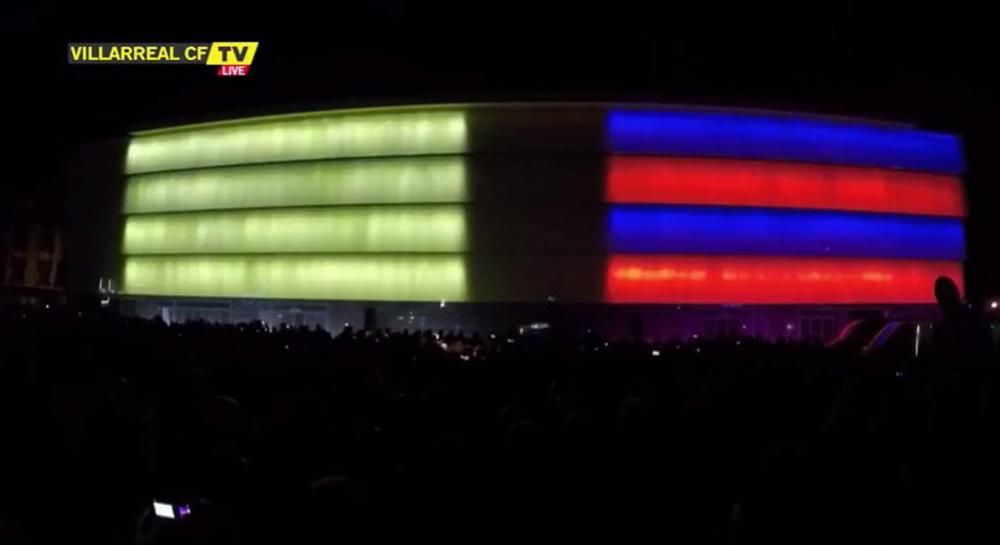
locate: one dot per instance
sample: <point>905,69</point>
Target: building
<point>31,271</point>
<point>647,219</point>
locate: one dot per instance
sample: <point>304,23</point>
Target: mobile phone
<point>163,510</point>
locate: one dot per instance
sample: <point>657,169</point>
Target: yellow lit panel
<point>389,228</point>
<point>322,135</point>
<point>362,181</point>
<point>371,278</point>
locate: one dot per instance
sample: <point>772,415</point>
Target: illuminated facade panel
<point>361,181</point>
<point>762,231</point>
<point>402,228</point>
<point>320,135</point>
<point>702,279</point>
<point>781,138</point>
<point>305,277</point>
<point>682,180</point>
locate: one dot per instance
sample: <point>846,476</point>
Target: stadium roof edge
<point>647,106</point>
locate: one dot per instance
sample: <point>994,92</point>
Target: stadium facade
<point>482,216</point>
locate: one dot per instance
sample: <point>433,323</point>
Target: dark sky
<point>933,65</point>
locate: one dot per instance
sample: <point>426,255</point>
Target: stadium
<point>621,218</point>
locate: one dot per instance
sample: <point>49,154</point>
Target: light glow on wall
<point>321,277</point>
<point>761,231</point>
<point>399,228</point>
<point>682,180</point>
<point>359,181</point>
<point>702,279</point>
<point>781,138</point>
<point>320,135</point>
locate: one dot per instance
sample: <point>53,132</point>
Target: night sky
<point>931,65</point>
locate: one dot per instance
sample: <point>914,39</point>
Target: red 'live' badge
<point>233,70</point>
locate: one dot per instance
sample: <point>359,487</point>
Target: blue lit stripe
<point>752,231</point>
<point>749,136</point>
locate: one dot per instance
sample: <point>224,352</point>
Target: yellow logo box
<point>212,54</point>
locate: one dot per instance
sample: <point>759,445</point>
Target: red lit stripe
<point>696,279</point>
<point>671,180</point>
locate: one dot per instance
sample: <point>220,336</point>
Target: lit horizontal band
<point>773,280</point>
<point>760,231</point>
<point>323,135</point>
<point>673,180</point>
<point>402,228</point>
<point>362,181</point>
<point>755,136</point>
<point>374,278</point>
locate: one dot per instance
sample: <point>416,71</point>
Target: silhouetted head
<point>947,294</point>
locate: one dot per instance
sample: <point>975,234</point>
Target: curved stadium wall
<point>445,215</point>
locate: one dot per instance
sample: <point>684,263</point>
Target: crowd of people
<point>295,435</point>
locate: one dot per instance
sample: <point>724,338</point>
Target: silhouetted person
<point>947,295</point>
<point>958,387</point>
<point>959,338</point>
